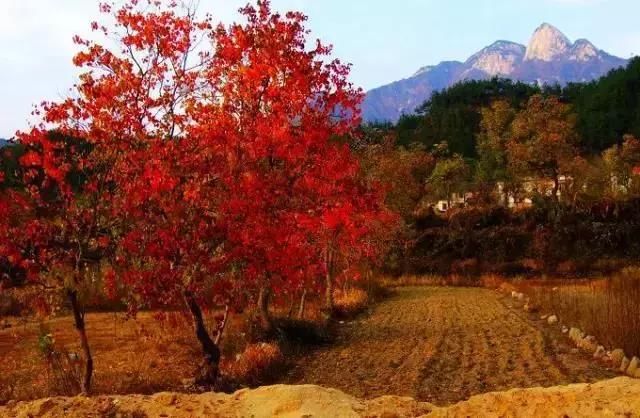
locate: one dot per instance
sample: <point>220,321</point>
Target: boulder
<point>616,357</point>
<point>552,320</point>
<point>600,353</point>
<point>575,334</point>
<point>634,366</point>
<point>588,344</point>
<point>624,364</point>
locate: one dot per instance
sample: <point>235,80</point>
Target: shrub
<point>256,365</point>
<point>64,369</point>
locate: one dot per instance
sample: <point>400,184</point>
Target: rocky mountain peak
<point>583,50</point>
<point>498,59</point>
<point>547,43</point>
<point>549,58</point>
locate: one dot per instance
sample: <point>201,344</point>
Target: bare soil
<point>613,398</point>
<point>444,345</point>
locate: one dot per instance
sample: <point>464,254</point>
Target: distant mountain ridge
<point>549,58</point>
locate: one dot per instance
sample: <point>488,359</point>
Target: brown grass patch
<point>143,355</point>
<point>607,308</point>
<point>350,302</point>
<point>155,352</point>
<point>256,365</point>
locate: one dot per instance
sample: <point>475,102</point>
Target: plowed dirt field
<point>443,345</point>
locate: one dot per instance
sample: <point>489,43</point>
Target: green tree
<point>449,176</point>
<point>492,164</point>
<point>607,108</point>
<point>543,140</point>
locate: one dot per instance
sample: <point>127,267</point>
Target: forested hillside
<point>530,178</point>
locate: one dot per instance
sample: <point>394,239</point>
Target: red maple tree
<point>193,154</point>
<point>280,111</point>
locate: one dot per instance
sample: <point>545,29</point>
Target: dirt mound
<point>618,397</point>
<point>272,401</point>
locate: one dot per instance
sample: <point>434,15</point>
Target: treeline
<point>605,109</point>
<point>529,179</point>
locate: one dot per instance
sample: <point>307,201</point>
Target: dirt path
<point>443,345</point>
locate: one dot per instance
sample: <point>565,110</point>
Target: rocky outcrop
<point>549,58</point>
<point>500,59</point>
<point>547,44</point>
<point>618,397</point>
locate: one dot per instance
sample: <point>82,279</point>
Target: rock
<point>514,294</point>
<point>576,335</point>
<point>600,353</point>
<point>565,329</point>
<point>544,317</point>
<point>634,366</point>
<point>616,357</point>
<point>588,344</point>
<point>624,364</point>
<point>552,320</point>
<point>521,297</point>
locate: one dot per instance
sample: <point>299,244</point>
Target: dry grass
<point>257,364</point>
<point>607,308</point>
<point>143,355</point>
<point>350,302</point>
<point>151,353</point>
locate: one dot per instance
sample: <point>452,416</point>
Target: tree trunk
<point>556,188</point>
<point>329,293</point>
<point>210,367</point>
<point>291,306</point>
<point>78,317</point>
<point>329,284</point>
<point>263,309</point>
<point>303,301</point>
<point>222,325</point>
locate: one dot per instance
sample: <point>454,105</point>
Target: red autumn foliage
<point>196,165</point>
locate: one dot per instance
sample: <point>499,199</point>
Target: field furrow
<point>443,345</point>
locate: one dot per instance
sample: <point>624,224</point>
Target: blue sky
<point>385,40</point>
